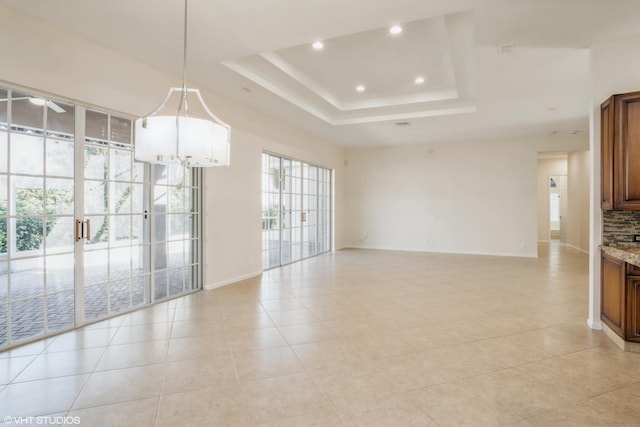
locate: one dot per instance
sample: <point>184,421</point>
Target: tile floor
<point>352,338</point>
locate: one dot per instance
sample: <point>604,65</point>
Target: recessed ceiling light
<point>37,101</point>
<point>360,88</point>
<point>396,29</point>
<point>419,80</point>
<point>317,45</point>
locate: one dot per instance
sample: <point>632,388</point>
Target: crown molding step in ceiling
<point>323,80</point>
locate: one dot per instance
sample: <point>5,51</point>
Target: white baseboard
<point>211,286</point>
<point>441,252</point>
<point>595,324</point>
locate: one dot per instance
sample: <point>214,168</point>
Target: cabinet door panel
<point>632,151</point>
<point>606,154</point>
<point>612,298</point>
<point>627,151</point>
<point>633,270</point>
<point>633,309</point>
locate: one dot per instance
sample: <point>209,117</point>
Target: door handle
<point>83,230</point>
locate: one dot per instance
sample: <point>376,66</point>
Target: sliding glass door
<point>291,211</point>
<point>116,244</point>
<point>37,206</point>
<point>296,210</point>
<point>86,232</point>
<point>176,230</point>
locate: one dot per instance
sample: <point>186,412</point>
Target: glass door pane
<point>324,210</point>
<point>116,251</point>
<point>295,175</point>
<point>286,213</point>
<point>310,198</point>
<point>272,179</point>
<point>36,217</point>
<point>175,230</point>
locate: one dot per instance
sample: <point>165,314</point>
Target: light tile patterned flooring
<point>353,338</point>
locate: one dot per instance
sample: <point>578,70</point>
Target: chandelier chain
<point>183,100</point>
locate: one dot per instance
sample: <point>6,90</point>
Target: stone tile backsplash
<point>618,227</point>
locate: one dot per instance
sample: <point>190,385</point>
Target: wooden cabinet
<point>612,297</point>
<point>620,152</point>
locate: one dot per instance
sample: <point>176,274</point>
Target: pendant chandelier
<point>192,135</point>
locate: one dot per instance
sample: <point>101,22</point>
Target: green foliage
<point>30,229</point>
<point>275,178</point>
<point>270,218</point>
<point>89,152</point>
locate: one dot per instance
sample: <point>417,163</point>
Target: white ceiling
<point>259,53</point>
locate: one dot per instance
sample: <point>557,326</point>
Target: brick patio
<point>102,299</point>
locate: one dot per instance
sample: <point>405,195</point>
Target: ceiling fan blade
<point>55,107</point>
<point>14,99</point>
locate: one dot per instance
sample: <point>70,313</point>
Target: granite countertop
<point>630,254</point>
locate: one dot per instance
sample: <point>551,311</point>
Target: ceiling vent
<point>505,48</point>
<point>403,124</point>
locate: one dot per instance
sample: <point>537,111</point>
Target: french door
<point>86,232</point>
<point>113,225</point>
<point>37,209</point>
<point>296,210</point>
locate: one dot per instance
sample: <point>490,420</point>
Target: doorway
<point>558,207</point>
<point>552,196</point>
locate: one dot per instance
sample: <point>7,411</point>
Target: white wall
<point>615,68</point>
<point>44,58</point>
<point>546,168</point>
<point>475,198</point>
<point>579,175</point>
